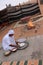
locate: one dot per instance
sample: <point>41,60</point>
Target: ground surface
<point>21,31</point>
<point>35,49</point>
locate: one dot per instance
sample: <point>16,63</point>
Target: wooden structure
<point>12,13</point>
<point>17,12</point>
<point>40,2</point>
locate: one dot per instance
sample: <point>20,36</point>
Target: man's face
<point>11,35</point>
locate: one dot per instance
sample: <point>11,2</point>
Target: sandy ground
<point>35,49</point>
<point>23,31</point>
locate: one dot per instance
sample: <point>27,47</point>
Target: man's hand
<point>12,45</point>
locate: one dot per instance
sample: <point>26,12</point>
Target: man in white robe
<point>8,42</point>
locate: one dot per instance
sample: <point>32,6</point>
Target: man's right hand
<point>12,45</point>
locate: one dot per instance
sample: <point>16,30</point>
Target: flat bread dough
<point>21,44</point>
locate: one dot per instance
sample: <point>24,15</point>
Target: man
<point>8,42</point>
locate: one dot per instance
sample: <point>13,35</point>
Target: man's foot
<point>14,50</point>
<point>7,53</point>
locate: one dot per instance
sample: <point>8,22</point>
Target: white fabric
<point>7,40</point>
<point>11,32</point>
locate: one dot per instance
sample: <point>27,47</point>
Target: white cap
<point>11,32</point>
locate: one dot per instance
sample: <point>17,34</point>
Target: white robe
<point>7,40</point>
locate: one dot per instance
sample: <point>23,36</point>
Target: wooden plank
<point>14,63</point>
<point>21,63</point>
<point>34,62</point>
<point>6,63</point>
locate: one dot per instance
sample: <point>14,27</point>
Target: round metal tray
<point>25,45</point>
<point>21,40</point>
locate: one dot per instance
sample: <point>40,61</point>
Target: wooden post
<point>41,7</point>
